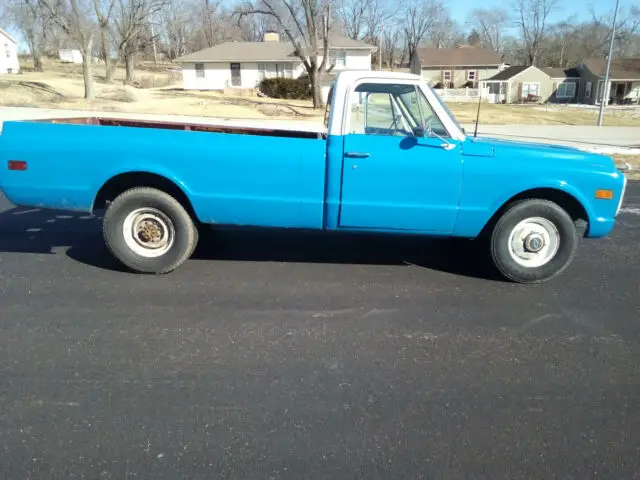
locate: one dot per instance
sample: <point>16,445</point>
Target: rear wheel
<point>149,231</point>
<point>533,241</point>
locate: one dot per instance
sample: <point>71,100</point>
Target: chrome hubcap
<point>148,232</point>
<point>534,242</point>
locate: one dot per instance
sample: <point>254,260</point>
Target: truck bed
<point>236,175</point>
<point>187,126</point>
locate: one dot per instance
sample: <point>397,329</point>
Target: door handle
<point>357,154</point>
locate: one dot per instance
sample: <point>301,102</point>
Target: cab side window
<point>375,111</point>
<point>392,109</point>
<point>420,109</point>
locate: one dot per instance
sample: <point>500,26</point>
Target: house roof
<point>508,73</point>
<point>458,57</point>
<point>561,72</point>
<point>262,51</point>
<point>2,32</point>
<point>626,68</point>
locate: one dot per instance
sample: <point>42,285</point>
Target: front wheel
<point>149,231</point>
<point>533,241</point>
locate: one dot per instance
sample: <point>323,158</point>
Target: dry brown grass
<point>541,114</point>
<point>633,160</point>
<point>157,89</point>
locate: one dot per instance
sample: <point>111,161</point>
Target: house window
<point>199,70</point>
<point>587,90</point>
<point>471,75</point>
<point>337,58</point>
<point>566,90</point>
<point>446,76</point>
<point>530,89</point>
<point>272,70</point>
<point>7,51</point>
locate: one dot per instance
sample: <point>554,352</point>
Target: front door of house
<point>236,80</point>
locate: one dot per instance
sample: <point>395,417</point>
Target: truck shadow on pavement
<point>79,236</point>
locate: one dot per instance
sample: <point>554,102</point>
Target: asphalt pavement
<point>306,356</point>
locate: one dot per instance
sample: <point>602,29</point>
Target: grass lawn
<point>542,114</point>
<point>633,160</point>
<point>157,89</point>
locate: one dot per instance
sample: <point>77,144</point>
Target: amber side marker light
<point>17,165</point>
<point>604,194</point>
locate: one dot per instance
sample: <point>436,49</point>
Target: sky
<point>582,10</point>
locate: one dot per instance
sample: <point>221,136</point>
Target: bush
<point>289,88</point>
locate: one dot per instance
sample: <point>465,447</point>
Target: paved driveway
<point>306,356</point>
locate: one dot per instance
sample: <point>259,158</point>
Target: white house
<point>245,64</point>
<point>8,54</point>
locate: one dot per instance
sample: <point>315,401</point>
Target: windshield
<point>444,105</point>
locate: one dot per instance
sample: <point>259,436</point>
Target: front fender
<point>553,184</point>
<point>478,207</point>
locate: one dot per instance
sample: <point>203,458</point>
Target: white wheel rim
<point>534,242</point>
<point>148,232</point>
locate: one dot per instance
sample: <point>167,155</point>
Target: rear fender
<point>152,169</point>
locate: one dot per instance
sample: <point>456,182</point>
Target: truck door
<point>394,177</point>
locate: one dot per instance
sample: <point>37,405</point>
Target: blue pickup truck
<point>391,158</point>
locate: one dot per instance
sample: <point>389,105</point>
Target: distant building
<point>245,64</point>
<point>624,80</point>
<point>70,55</point>
<point>458,67</point>
<point>8,54</point>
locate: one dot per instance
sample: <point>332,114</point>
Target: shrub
<point>289,88</point>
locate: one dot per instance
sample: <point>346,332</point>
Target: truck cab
<point>401,159</point>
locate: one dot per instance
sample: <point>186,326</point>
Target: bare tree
<point>28,16</point>
<point>491,25</point>
<point>391,46</point>
<point>73,18</point>
<point>418,18</point>
<point>444,31</point>
<point>104,10</point>
<point>175,25</point>
<point>353,14</point>
<point>210,16</point>
<point>531,19</point>
<point>378,15</point>
<point>306,23</point>
<point>132,20</point>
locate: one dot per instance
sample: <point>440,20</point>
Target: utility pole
<point>380,47</point>
<point>153,36</point>
<point>605,87</point>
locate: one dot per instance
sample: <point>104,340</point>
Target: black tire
<point>185,233</point>
<point>521,210</point>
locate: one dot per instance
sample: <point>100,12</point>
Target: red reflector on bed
<point>17,165</point>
